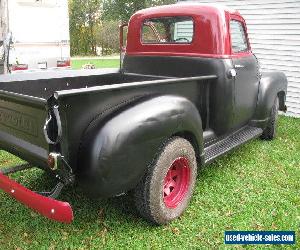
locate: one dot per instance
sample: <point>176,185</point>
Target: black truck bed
<point>25,102</point>
<point>44,84</point>
<point>27,99</point>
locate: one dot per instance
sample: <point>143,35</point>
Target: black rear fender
<point>115,155</point>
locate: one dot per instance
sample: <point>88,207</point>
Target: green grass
<point>99,63</point>
<point>256,187</point>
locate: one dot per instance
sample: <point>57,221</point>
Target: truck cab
<point>192,40</point>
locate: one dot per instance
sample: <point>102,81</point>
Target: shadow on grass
<point>101,212</point>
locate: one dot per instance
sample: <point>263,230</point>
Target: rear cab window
<point>239,42</point>
<point>168,30</point>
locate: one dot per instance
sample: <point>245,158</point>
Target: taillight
<point>18,67</point>
<point>63,63</point>
<point>53,160</point>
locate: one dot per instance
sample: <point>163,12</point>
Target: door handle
<point>231,73</point>
<point>239,66</point>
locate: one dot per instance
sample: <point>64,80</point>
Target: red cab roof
<point>187,9</point>
<point>211,27</point>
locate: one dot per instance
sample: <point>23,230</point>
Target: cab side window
<point>238,37</point>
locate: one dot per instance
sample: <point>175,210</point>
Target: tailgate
<point>22,119</point>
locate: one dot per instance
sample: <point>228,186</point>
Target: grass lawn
<point>99,63</point>
<point>256,187</point>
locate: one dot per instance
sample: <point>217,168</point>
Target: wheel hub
<point>176,182</point>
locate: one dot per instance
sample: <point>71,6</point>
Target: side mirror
<point>122,46</point>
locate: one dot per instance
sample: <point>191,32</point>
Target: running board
<point>231,142</point>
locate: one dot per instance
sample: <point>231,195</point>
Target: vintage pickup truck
<point>189,90</point>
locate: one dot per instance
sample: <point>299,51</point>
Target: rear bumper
<point>48,207</point>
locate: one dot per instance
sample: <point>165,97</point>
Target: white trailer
<point>34,35</point>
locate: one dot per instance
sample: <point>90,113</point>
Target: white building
<point>274,31</point>
<point>39,31</point>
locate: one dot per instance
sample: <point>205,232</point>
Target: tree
<point>84,22</point>
<point>94,23</point>
<point>122,9</point>
<point>108,37</point>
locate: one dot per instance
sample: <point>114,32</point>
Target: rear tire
<point>269,132</point>
<point>166,189</point>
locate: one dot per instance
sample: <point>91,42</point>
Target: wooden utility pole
<point>3,32</point>
<point>3,19</point>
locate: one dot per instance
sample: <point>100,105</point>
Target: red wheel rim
<point>176,182</point>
